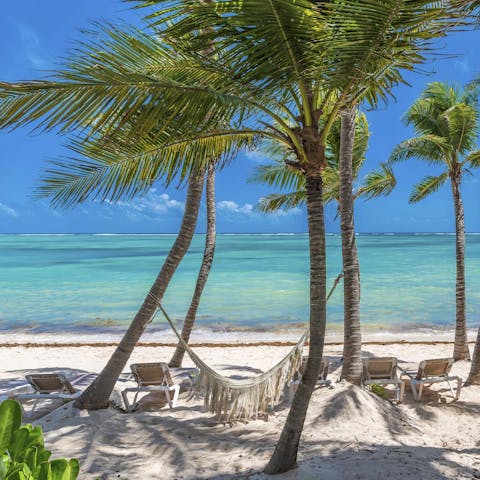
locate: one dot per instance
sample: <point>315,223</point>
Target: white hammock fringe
<point>232,400</point>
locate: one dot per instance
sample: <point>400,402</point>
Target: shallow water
<point>96,282</point>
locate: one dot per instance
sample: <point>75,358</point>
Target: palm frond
<point>378,183</point>
<point>462,121</point>
<point>109,81</point>
<point>281,201</point>
<point>278,175</point>
<point>268,42</point>
<point>427,186</point>
<point>473,159</point>
<point>430,148</point>
<point>373,43</point>
<point>122,170</point>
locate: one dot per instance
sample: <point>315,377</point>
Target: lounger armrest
<point>384,381</point>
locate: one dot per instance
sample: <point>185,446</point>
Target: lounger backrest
<point>379,368</point>
<point>147,374</point>
<point>436,367</point>
<point>50,383</point>
<point>324,366</point>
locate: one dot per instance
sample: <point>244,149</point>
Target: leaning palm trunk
<point>474,376</point>
<point>284,457</point>
<point>352,347</point>
<point>97,395</point>
<point>207,260</point>
<point>460,351</point>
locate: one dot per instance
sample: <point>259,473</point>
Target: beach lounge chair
<point>151,377</point>
<point>433,371</point>
<point>321,380</point>
<point>48,386</point>
<point>383,371</point>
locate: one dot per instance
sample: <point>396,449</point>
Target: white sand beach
<point>349,433</point>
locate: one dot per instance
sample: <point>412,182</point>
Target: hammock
<point>233,400</point>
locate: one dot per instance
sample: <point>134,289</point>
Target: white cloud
<point>463,65</point>
<point>152,205</point>
<point>286,213</point>
<point>256,155</point>
<point>5,209</point>
<point>31,45</point>
<point>233,207</point>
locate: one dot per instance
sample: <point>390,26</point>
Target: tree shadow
<point>366,462</point>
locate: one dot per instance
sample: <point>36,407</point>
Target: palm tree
<point>474,375</point>
<point>121,155</point>
<point>445,119</point>
<point>102,386</point>
<point>267,65</point>
<point>207,260</point>
<point>374,184</point>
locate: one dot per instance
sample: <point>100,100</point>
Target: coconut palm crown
<point>446,121</point>
<point>278,173</point>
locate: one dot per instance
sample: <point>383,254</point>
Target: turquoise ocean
<point>95,283</point>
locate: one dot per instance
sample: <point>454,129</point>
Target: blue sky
<point>36,35</point>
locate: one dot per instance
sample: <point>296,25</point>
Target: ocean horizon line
<point>107,234</point>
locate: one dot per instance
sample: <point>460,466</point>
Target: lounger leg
<point>169,400</point>
<point>125,400</point>
<point>291,392</point>
<point>459,388</point>
<point>413,385</point>
<point>34,407</point>
<point>176,389</point>
<point>134,404</point>
<point>401,392</point>
<point>420,390</point>
<point>451,388</point>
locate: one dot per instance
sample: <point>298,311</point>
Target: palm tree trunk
<point>460,350</point>
<point>352,346</point>
<point>97,395</point>
<point>474,375</point>
<point>285,455</point>
<point>207,260</point>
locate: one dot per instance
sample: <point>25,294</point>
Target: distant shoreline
<point>203,338</point>
<point>222,345</point>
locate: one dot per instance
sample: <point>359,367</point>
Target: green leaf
<point>10,420</point>
<point>19,443</point>
<point>45,472</point>
<point>462,127</point>
<point>427,186</point>
<point>62,469</point>
<point>473,159</point>
<point>378,183</point>
<point>281,201</point>
<point>430,148</point>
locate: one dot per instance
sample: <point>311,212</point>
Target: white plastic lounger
<point>383,371</point>
<point>48,386</point>
<point>151,377</point>
<point>321,380</point>
<point>433,371</point>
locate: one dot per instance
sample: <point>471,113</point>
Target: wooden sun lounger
<point>151,377</point>
<point>321,380</point>
<point>383,371</point>
<point>433,371</point>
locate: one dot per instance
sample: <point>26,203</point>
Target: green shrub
<point>379,391</point>
<point>22,453</point>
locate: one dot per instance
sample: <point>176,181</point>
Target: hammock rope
<point>232,400</point>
